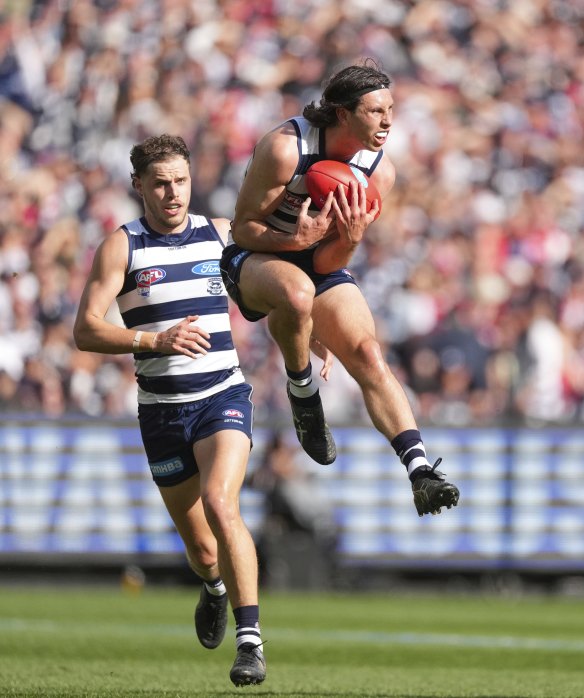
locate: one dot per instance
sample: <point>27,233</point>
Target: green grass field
<point>104,642</point>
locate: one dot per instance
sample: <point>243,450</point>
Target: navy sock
<point>247,625</point>
<point>411,451</point>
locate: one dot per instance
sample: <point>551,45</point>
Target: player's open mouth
<point>381,136</point>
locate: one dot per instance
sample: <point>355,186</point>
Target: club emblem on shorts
<point>238,257</point>
<point>146,278</point>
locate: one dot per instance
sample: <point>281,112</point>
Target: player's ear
<point>342,114</point>
<point>137,184</point>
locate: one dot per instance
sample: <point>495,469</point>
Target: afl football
<point>326,175</point>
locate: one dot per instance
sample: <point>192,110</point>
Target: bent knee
<point>367,361</point>
<point>300,299</point>
<point>202,555</point>
<point>284,288</point>
<point>296,296</point>
<point>220,510</point>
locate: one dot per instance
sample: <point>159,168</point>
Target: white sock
<point>303,388</point>
<point>217,588</point>
<point>248,636</point>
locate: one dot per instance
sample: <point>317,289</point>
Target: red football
<point>326,175</point>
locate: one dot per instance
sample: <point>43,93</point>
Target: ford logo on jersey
<point>209,268</point>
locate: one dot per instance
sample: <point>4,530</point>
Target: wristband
<point>136,342</point>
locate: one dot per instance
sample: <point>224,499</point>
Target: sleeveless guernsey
<point>169,277</point>
<point>311,149</point>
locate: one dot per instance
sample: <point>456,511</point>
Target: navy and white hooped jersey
<point>169,277</point>
<point>311,149</point>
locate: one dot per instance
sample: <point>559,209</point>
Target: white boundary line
<point>344,636</point>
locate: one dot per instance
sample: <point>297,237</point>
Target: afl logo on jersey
<point>292,202</point>
<point>146,278</point>
<point>209,268</point>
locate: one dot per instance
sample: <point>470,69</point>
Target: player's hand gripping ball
<point>326,175</point>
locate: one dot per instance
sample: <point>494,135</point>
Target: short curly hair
<point>157,149</point>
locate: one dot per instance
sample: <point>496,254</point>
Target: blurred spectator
<point>297,542</point>
<point>474,269</point>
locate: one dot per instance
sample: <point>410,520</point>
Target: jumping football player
<point>271,271</point>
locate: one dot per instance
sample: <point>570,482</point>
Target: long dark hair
<point>345,89</point>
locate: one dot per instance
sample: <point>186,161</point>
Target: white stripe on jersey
<point>209,323</point>
<point>176,365</point>
<point>152,256</point>
<point>135,227</point>
<point>166,293</point>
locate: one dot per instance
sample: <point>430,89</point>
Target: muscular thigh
<point>342,319</point>
<point>265,281</point>
<point>223,459</point>
<point>183,503</point>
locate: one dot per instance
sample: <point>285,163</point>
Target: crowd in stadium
<point>474,270</point>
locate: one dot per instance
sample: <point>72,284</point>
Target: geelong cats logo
<point>215,287</point>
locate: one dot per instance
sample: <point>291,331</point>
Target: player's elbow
<point>81,336</point>
<point>237,234</point>
<point>244,229</point>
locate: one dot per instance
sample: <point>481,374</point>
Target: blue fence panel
<point>85,488</point>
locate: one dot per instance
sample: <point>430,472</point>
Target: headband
<point>365,90</point>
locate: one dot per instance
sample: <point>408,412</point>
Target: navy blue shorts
<point>169,430</point>
<point>234,256</point>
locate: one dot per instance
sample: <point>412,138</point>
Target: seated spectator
<point>487,209</point>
